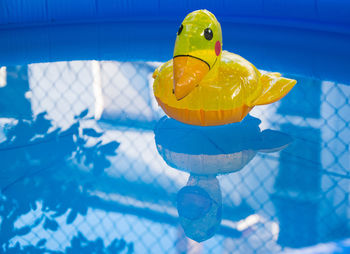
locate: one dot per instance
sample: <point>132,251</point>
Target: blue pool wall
<point>319,14</point>
<point>308,38</point>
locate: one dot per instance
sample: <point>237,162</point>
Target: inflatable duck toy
<point>203,85</point>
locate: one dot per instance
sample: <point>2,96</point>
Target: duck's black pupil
<point>208,34</point>
<point>180,29</point>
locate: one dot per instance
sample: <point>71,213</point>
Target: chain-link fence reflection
<point>81,172</point>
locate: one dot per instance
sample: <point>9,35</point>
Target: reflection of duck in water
<point>199,205</point>
<point>214,150</point>
<point>206,152</point>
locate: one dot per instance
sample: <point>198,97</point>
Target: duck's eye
<point>180,29</point>
<point>208,34</point>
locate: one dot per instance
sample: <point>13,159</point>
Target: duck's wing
<point>274,87</point>
<point>241,79</point>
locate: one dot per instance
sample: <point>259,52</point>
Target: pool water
<point>90,164</point>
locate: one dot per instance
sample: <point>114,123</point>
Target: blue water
<point>127,179</point>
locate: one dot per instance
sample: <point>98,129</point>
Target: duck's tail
<point>275,88</point>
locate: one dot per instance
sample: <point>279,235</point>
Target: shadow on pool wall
<point>39,176</point>
<point>18,85</point>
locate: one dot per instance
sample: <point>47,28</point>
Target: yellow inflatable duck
<point>203,85</point>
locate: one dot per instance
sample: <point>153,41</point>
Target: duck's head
<point>197,49</point>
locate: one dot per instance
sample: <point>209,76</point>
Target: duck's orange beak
<point>188,73</point>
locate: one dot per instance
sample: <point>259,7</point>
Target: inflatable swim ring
<point>203,85</point>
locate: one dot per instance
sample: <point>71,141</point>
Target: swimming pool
<point>90,163</point>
